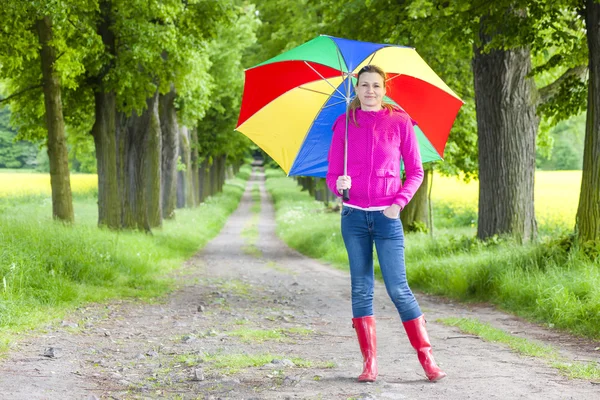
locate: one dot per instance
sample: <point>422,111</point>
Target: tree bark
<point>221,172</point>
<point>104,133</point>
<point>588,212</point>
<point>185,176</point>
<point>170,152</point>
<point>60,180</point>
<point>213,176</point>
<point>136,134</point>
<point>184,149</point>
<point>180,189</point>
<point>153,165</point>
<point>202,179</point>
<point>415,213</point>
<point>507,127</point>
<point>194,167</point>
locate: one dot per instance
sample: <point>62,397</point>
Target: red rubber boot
<point>419,339</point>
<point>365,331</point>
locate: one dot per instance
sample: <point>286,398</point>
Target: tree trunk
<point>588,212</point>
<point>180,189</point>
<point>507,127</point>
<point>236,167</point>
<point>186,159</point>
<point>202,174</point>
<point>213,173</point>
<point>319,192</point>
<point>153,165</point>
<point>170,152</point>
<point>195,167</point>
<point>310,181</point>
<point>60,180</point>
<point>104,132</point>
<point>415,213</point>
<point>135,135</point>
<point>221,172</point>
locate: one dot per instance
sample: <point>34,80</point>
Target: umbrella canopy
<point>291,101</point>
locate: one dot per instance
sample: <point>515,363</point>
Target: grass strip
<point>229,364</point>
<point>261,335</point>
<point>572,369</point>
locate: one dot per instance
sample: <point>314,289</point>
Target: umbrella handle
<point>346,194</point>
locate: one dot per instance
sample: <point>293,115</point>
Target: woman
<point>379,135</point>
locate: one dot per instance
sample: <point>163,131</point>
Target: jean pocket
<point>390,219</point>
<point>346,211</point>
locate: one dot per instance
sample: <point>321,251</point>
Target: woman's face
<point>370,91</point>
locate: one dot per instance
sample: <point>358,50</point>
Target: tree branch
<point>21,92</point>
<point>549,91</point>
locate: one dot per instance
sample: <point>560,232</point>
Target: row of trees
<point>156,83</point>
<point>522,66</point>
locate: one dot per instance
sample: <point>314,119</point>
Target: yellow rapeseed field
<point>556,192</point>
<point>30,183</point>
<point>556,195</point>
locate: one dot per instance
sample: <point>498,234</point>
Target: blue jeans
<point>360,229</point>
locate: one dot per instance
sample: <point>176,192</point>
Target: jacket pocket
<point>387,181</point>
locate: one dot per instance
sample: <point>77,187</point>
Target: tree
<point>62,201</point>
<point>105,117</point>
<point>588,212</point>
<point>162,47</point>
<point>216,141</point>
<point>35,34</point>
<point>506,139</point>
<point>506,35</point>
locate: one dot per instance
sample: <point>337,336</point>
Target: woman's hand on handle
<point>343,182</point>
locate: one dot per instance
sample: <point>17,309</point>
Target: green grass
<point>274,266</point>
<point>588,371</point>
<point>47,269</point>
<point>578,370</point>
<point>261,335</point>
<point>237,287</point>
<point>542,281</point>
<point>257,335</point>
<point>229,364</point>
<point>488,333</point>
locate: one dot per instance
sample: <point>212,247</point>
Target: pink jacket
<point>375,148</point>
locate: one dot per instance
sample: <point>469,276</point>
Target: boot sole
<point>437,378</point>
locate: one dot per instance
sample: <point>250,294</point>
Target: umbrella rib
<point>335,104</point>
<point>316,91</point>
<point>325,79</point>
<point>393,77</point>
<point>372,57</point>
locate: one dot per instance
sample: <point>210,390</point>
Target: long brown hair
<point>355,103</point>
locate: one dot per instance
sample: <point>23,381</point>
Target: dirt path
<point>249,299</point>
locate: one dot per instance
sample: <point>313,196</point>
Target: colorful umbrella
<point>291,101</point>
